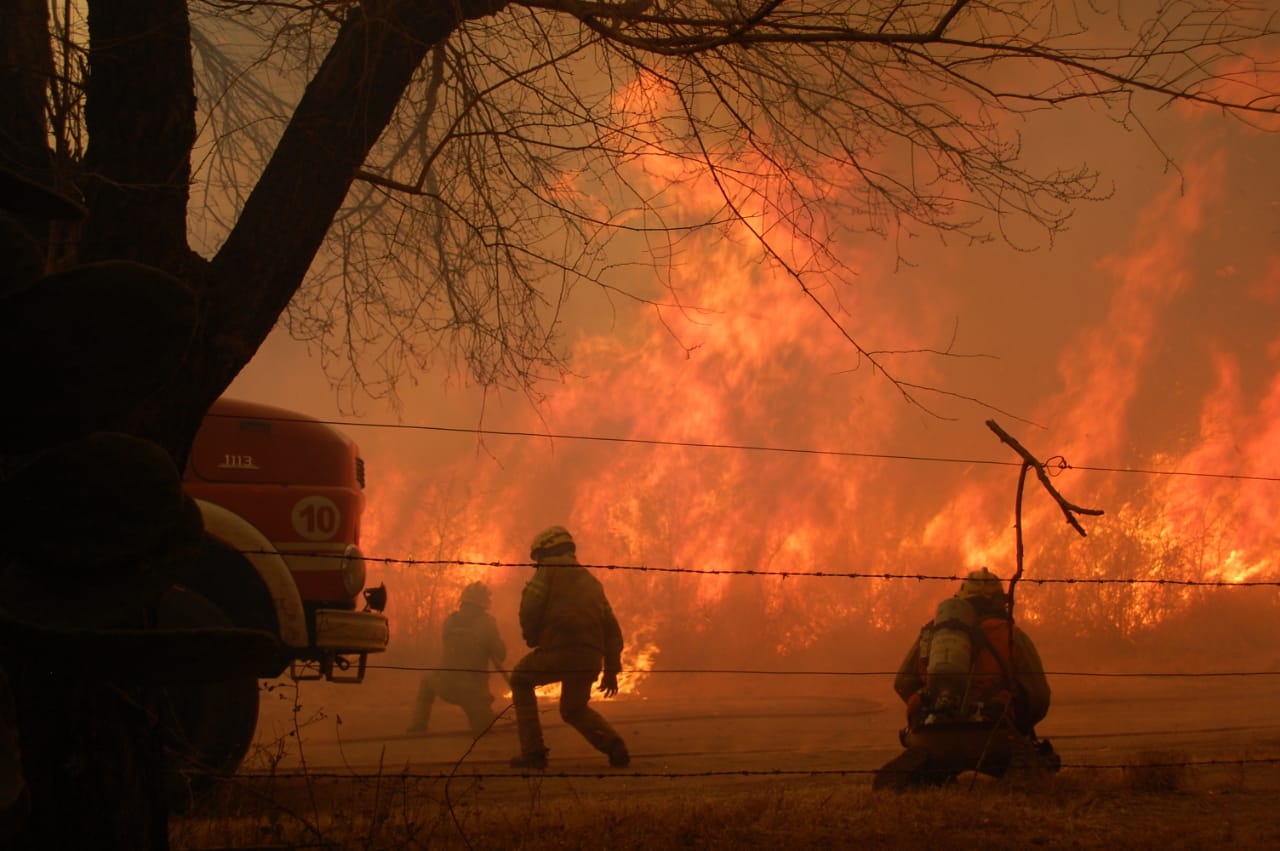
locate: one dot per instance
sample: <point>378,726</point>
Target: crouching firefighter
<point>974,689</point>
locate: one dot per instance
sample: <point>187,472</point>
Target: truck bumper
<point>343,642</point>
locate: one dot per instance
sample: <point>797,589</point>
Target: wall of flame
<point>1145,342</point>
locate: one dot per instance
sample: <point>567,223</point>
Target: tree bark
<point>26,62</point>
<point>140,116</point>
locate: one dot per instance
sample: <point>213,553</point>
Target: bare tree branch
<point>1069,509</point>
<point>405,183</point>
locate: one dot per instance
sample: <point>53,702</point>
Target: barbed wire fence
<point>1054,465</point>
<point>460,771</point>
<point>1165,675</point>
<point>1234,762</point>
<point>798,574</point>
<point>433,786</point>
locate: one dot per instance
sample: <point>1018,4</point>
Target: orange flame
<point>749,361</point>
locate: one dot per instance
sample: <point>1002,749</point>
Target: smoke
<point>1142,344</point>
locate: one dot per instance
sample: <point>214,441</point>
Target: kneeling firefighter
<point>974,689</point>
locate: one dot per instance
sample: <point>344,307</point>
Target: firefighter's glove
<point>609,683</point>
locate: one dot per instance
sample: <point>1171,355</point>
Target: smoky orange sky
<point>1145,338</point>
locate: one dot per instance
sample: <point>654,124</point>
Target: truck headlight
<point>353,570</point>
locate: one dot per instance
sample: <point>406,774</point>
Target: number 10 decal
<point>316,518</point>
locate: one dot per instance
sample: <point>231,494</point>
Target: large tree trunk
<point>26,63</point>
<point>140,116</point>
<point>140,119</point>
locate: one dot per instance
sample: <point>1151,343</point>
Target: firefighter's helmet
<point>981,583</point>
<point>553,541</point>
<point>477,593</point>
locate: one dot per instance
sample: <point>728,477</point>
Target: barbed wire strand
<point>797,574</point>
<point>729,772</point>
<point>1061,466</point>
<point>764,672</point>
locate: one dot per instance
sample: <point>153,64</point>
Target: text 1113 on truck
<point>281,495</point>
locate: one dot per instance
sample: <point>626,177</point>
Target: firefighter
<point>567,620</point>
<point>471,642</point>
<point>1006,676</point>
<point>974,689</point>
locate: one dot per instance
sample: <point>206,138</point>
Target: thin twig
<point>1069,509</point>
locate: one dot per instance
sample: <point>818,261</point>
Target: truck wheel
<point>230,582</point>
<point>208,727</point>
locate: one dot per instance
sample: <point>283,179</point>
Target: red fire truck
<point>281,495</point>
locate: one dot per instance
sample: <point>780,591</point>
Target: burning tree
<point>402,180</point>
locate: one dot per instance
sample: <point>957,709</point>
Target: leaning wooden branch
<point>1069,509</point>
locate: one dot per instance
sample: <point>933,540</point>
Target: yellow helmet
<point>476,593</point>
<point>553,541</point>
<point>980,583</point>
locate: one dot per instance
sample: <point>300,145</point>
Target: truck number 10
<point>316,518</point>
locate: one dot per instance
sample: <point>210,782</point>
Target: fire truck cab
<point>281,495</point>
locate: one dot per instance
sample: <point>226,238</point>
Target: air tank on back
<point>948,653</point>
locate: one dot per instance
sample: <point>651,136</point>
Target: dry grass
<point>1157,771</point>
<point>1075,809</point>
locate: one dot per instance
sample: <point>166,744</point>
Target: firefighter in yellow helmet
<point>1006,674</point>
<point>972,671</point>
<point>567,620</point>
<point>471,642</point>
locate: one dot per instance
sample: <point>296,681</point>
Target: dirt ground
<point>747,767</point>
<point>742,732</point>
